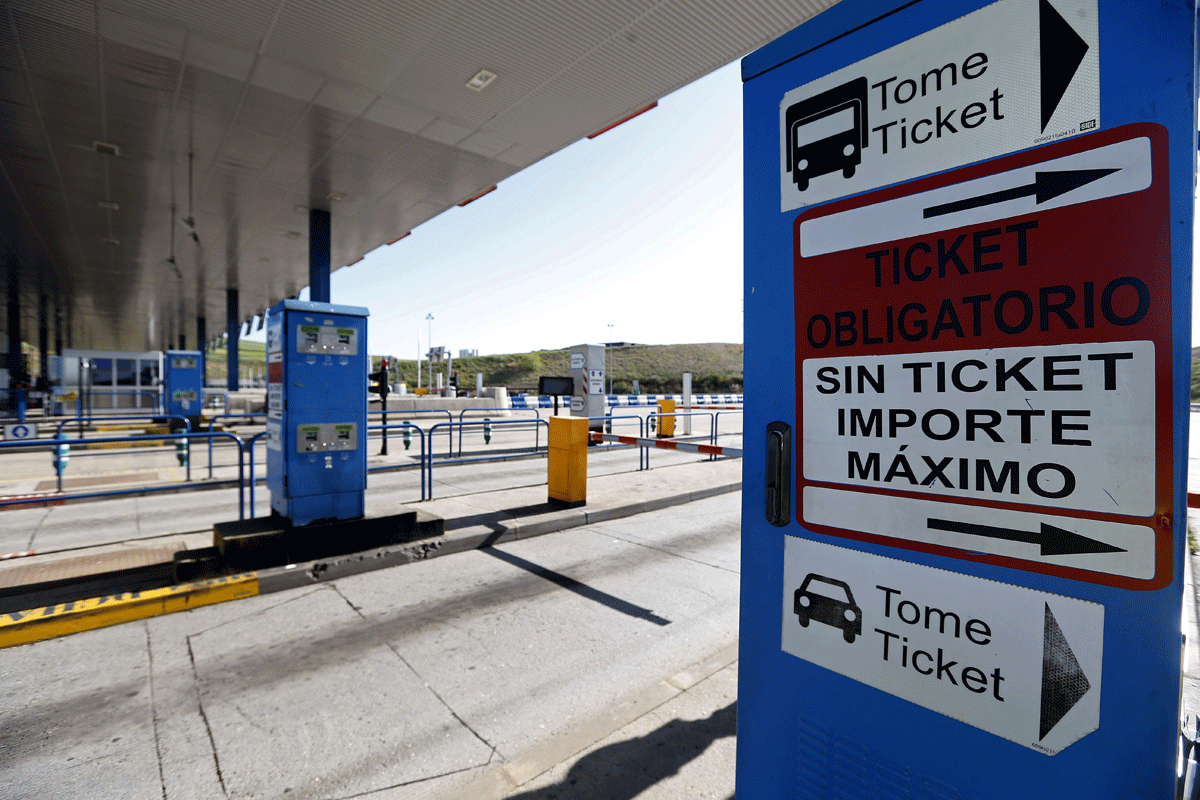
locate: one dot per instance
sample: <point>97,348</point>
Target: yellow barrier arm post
<point>567,462</point>
<point>666,425</point>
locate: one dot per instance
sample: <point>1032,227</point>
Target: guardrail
<point>53,444</point>
<point>643,456</point>
<point>396,467</point>
<point>536,432</point>
<point>495,424</point>
<point>210,430</point>
<point>424,461</point>
<point>717,423</point>
<point>531,402</point>
<point>106,418</point>
<point>449,418</point>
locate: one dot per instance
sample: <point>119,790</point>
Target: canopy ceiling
<point>118,119</point>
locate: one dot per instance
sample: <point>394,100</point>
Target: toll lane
<point>409,680</point>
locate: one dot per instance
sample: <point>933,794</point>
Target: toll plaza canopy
<point>157,153</point>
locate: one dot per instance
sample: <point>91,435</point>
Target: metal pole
<point>430,318</point>
<point>608,358</point>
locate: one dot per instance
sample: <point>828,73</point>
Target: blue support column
<point>202,346</point>
<point>233,327</point>
<point>43,340</point>
<point>58,326</point>
<point>16,359</point>
<point>319,255</point>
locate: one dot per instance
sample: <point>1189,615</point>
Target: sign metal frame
<point>810,728</point>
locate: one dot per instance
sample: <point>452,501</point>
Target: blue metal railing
<point>495,424</point>
<point>81,420</point>
<point>449,418</point>
<point>210,430</point>
<point>537,430</point>
<point>53,444</point>
<point>716,425</point>
<point>653,418</point>
<point>396,467</point>
<point>643,456</point>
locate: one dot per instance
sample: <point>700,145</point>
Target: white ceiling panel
<point>283,102</point>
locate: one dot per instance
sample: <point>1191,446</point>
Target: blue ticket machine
<point>968,253</point>
<point>317,411</point>
<point>183,384</point>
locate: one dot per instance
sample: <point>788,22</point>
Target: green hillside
<point>658,368</point>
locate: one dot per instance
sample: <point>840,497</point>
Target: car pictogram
<point>823,603</point>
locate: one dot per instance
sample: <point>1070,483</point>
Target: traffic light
<point>379,380</point>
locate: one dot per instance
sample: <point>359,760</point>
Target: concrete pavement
<point>473,676</point>
<point>538,669</point>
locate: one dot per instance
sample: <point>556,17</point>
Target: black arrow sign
<point>1053,540</point>
<point>1045,186</point>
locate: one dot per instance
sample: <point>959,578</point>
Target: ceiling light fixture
<point>108,204</point>
<point>480,80</point>
<point>110,240</point>
<point>338,196</point>
<point>106,149</point>
<point>292,234</point>
<point>299,209</point>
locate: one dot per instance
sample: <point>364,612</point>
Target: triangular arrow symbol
<point>1062,51</point>
<point>1063,681</point>
<point>1049,185</point>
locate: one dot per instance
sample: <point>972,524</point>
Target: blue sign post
<point>968,260</point>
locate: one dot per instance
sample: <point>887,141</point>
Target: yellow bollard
<point>666,425</point>
<point>567,462</point>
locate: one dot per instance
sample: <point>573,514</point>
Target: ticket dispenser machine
<point>966,214</point>
<point>183,384</point>
<point>587,370</point>
<point>317,411</point>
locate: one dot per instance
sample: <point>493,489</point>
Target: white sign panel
<point>1069,425</point>
<point>274,435</point>
<point>1109,547</point>
<point>275,340</point>
<point>1109,171</point>
<point>21,430</point>
<point>1011,75</point>
<point>1018,663</point>
<point>577,360</point>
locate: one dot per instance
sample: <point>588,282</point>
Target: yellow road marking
<point>34,625</point>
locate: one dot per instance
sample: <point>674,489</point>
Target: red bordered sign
<point>984,362</point>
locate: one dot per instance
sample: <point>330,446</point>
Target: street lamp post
<point>430,318</point>
<point>607,350</point>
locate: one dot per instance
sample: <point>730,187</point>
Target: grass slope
<point>715,367</point>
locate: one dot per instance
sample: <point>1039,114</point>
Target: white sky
<point>640,229</point>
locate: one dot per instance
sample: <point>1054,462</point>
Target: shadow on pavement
<point>578,587</point>
<point>623,770</point>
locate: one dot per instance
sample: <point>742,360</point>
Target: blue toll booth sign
<point>317,411</point>
<point>968,257</point>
